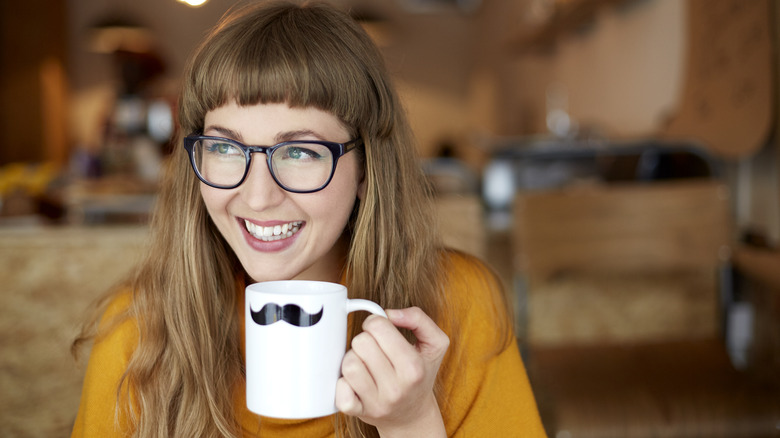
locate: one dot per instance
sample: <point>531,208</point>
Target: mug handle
<point>367,305</point>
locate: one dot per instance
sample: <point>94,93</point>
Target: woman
<point>168,352</point>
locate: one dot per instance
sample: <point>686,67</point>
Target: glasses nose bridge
<point>259,149</point>
<point>267,150</point>
<point>266,164</point>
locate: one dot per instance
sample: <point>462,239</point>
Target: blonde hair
<point>188,360</point>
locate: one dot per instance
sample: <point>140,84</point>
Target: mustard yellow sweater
<point>488,393</point>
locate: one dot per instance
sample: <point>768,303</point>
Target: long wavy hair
<point>188,362</point>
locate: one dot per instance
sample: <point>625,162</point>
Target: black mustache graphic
<point>271,313</point>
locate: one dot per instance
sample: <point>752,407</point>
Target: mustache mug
<point>296,338</point>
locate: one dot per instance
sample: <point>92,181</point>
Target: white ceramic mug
<point>296,338</point>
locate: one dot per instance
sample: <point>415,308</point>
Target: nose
<point>259,190</point>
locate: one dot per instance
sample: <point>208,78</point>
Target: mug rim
<point>294,287</point>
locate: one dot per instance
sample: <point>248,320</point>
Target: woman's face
<point>314,220</point>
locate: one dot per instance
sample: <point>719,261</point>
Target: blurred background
<point>616,161</point>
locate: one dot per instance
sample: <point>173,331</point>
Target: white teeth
<point>277,232</point>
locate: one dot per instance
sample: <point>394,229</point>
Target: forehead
<point>263,122</point>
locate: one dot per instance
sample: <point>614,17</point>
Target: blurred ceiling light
<point>193,3</point>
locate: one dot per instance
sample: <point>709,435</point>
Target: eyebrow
<point>225,132</point>
<point>278,138</point>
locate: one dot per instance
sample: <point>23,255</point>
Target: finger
<point>410,366</point>
<point>387,388</point>
<point>366,347</point>
<point>356,374</point>
<point>431,340</point>
<point>393,344</point>
<point>346,400</point>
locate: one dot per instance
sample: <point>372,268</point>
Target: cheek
<point>338,198</point>
<point>349,177</point>
<point>336,204</point>
<point>206,196</point>
<point>213,199</point>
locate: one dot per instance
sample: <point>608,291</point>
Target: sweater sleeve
<point>98,415</point>
<point>485,382</point>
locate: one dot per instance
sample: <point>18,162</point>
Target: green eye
<point>302,153</point>
<point>295,153</point>
<point>223,149</point>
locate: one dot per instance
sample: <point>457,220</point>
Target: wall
<point>621,75</point>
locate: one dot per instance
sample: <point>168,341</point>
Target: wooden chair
<point>622,323</point>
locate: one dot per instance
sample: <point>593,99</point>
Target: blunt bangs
<point>307,56</point>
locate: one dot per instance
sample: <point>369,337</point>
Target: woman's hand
<point>387,382</point>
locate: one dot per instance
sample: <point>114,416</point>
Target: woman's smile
<point>271,233</point>
<point>269,236</point>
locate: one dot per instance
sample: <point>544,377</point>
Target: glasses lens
<point>219,162</point>
<point>302,166</point>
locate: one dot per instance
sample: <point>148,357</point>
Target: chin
<point>267,275</point>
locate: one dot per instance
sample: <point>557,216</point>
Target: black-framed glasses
<point>301,166</point>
